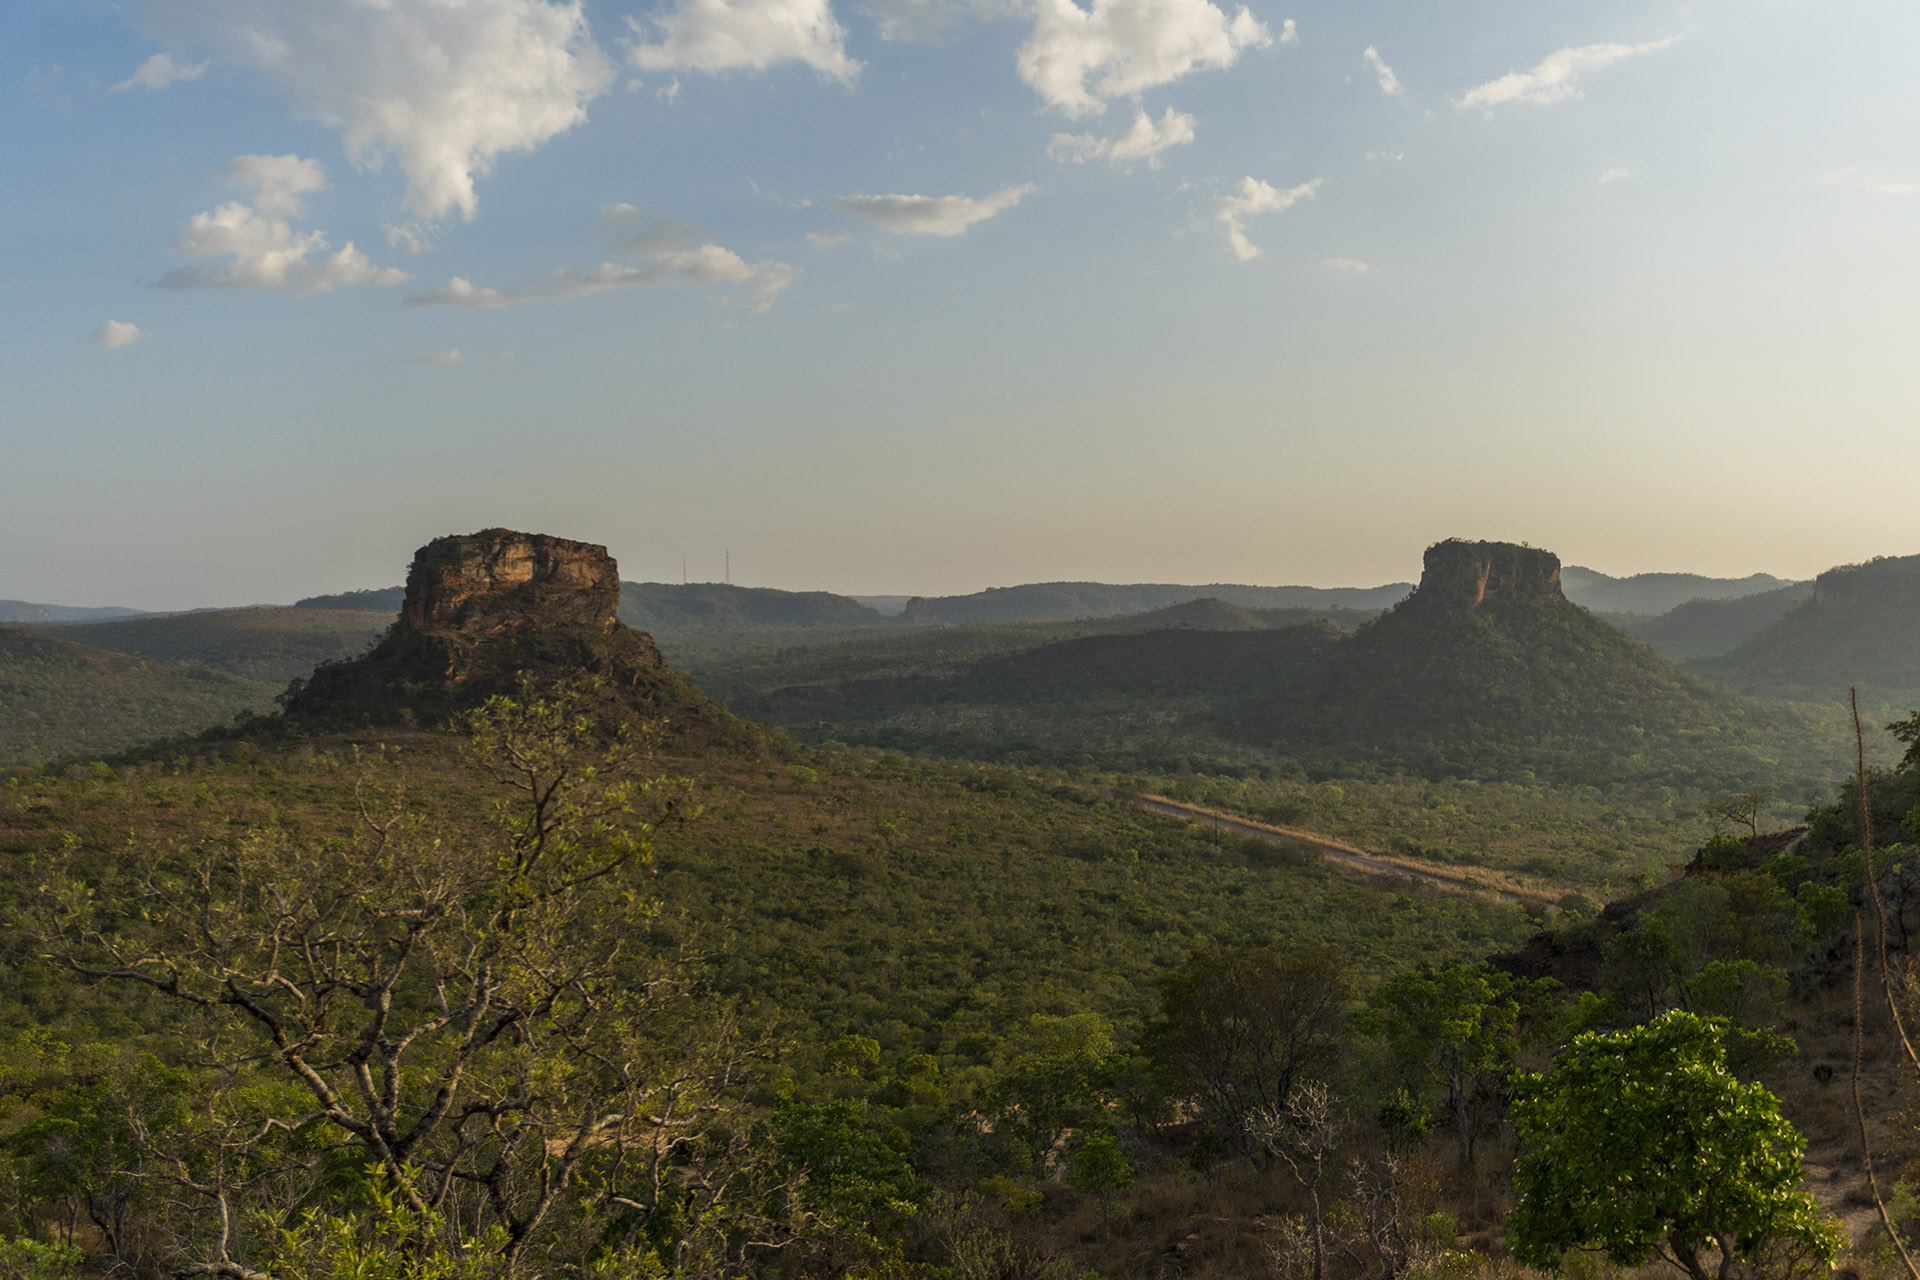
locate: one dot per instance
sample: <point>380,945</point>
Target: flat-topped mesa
<point>500,580</point>
<point>1466,575</point>
<point>1874,583</point>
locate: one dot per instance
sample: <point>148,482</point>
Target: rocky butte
<point>497,579</point>
<point>1467,575</point>
<point>486,613</point>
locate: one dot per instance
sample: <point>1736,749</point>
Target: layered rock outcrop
<point>503,612</point>
<point>497,580</point>
<point>1469,575</point>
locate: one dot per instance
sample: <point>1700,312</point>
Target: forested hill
<point>1051,601</point>
<point>59,698</point>
<point>1860,629</point>
<point>1489,671</point>
<point>660,606</point>
<point>1656,593</point>
<point>273,645</point>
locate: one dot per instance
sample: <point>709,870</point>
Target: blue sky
<point>931,295</point>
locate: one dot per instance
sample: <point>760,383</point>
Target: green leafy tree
<point>1061,1077</point>
<point>1641,1144</point>
<point>1239,1027</point>
<point>1459,1029</point>
<point>465,1013</point>
<point>1101,1168</point>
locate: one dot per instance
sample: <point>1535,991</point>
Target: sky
<point>926,296</point>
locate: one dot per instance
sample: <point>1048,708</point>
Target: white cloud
<point>828,239</point>
<point>724,35</point>
<point>1352,266</point>
<point>707,264</point>
<point>1125,46</point>
<point>930,215</point>
<point>1289,33</point>
<point>450,356</point>
<point>158,72</point>
<point>439,86</point>
<point>261,248</point>
<point>1389,82</point>
<point>116,333</point>
<point>1871,182</point>
<point>1557,78</point>
<point>1615,175</point>
<point>1388,154</point>
<point>280,184</point>
<point>1255,197</point>
<point>1144,139</point>
<point>933,21</point>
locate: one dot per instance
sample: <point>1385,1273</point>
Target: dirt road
<point>1488,884</point>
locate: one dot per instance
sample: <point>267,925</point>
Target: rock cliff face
<point>500,612</point>
<point>1468,575</point>
<point>498,580</point>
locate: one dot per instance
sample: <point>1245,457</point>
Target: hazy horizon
<point>925,296</point>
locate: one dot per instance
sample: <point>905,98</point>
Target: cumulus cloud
<point>1869,182</point>
<point>260,248</point>
<point>1255,197</point>
<point>933,21</point>
<point>440,88</point>
<point>116,333</point>
<point>828,239</point>
<point>671,255</point>
<point>930,215</point>
<point>1557,78</point>
<point>1351,266</point>
<point>724,35</point>
<point>1144,139</point>
<point>158,72</point>
<point>1615,175</point>
<point>1389,82</point>
<point>1078,58</point>
<point>280,184</point>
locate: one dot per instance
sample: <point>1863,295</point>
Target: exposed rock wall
<point>1467,575</point>
<point>499,580</point>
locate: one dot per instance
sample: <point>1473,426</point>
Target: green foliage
<point>271,646</point>
<point>1238,1028</point>
<point>1640,1142</point>
<point>1456,1029</point>
<point>855,1175</point>
<point>60,699</point>
<point>26,1259</point>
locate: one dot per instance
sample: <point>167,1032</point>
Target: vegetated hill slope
<point>1705,628</point>
<point>61,699</point>
<point>373,600</point>
<point>660,606</point>
<point>1042,601</point>
<point>1655,593</point>
<point>1860,629</point>
<point>27,611</point>
<point>270,645</point>
<point>1129,699</point>
<point>1489,671</point>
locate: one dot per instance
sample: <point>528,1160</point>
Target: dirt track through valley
<point>1484,883</point>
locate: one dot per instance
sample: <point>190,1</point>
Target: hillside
<point>60,699</point>
<point>1059,601</point>
<point>1656,593</point>
<point>26,611</point>
<point>1860,629</point>
<point>268,645</point>
<point>385,600</point>
<point>1487,670</point>
<point>660,606</point>
<point>1706,628</point>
